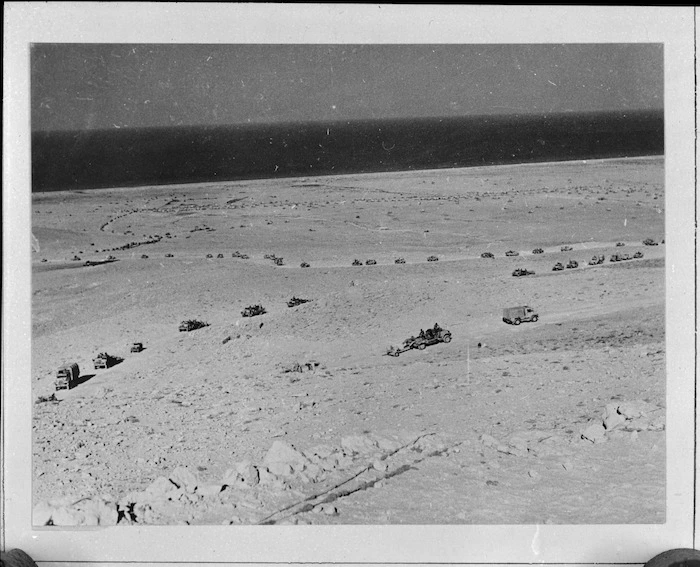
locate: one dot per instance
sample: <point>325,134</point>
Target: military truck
<point>520,314</point>
<point>67,376</point>
<point>519,272</point>
<point>487,255</point>
<point>104,361</point>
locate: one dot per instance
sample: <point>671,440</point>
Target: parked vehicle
<point>296,301</point>
<point>487,255</point>
<point>650,242</point>
<point>558,267</point>
<point>253,311</point>
<point>356,262</point>
<point>279,262</point>
<point>305,265</point>
<point>638,254</point>
<point>433,258</point>
<point>399,261</point>
<point>370,262</point>
<point>572,264</point>
<point>519,272</point>
<point>538,251</point>
<point>191,325</point>
<point>512,253</point>
<point>520,314</point>
<point>136,347</point>
<point>620,244</point>
<point>566,248</point>
<point>596,260</point>
<point>67,376</point>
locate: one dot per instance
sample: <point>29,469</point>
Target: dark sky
<point>76,86</point>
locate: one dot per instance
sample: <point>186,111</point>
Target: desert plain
<point>298,415</point>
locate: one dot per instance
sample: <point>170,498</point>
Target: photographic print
<point>348,284</point>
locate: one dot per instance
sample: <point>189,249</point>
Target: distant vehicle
<point>433,258</point>
<point>44,260</point>
<point>426,338</point>
<point>650,242</point>
<point>67,376</point>
<point>169,255</point>
<point>210,255</point>
<point>191,325</point>
<point>370,262</point>
<point>566,248</point>
<point>253,311</point>
<point>219,255</point>
<point>520,314</point>
<point>296,301</point>
<point>279,262</point>
<point>615,258</point>
<point>572,264</point>
<point>305,265</point>
<point>399,261</point>
<point>104,360</point>
<point>620,244</point>
<point>136,347</point>
<point>237,254</point>
<point>625,257</point>
<point>596,260</point>
<point>518,272</point>
<point>638,254</point>
<point>76,258</point>
<point>538,251</point>
<point>487,255</point>
<point>512,253</point>
<point>558,267</point>
<point>144,257</point>
<point>356,263</point>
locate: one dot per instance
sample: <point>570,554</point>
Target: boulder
<point>41,515</point>
<point>361,444</point>
<point>612,418</point>
<point>185,479</point>
<point>280,469</point>
<point>161,487</point>
<point>594,433</point>
<point>282,452</point>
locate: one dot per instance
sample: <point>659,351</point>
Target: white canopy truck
<point>517,315</point>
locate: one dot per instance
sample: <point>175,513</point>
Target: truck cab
<point>520,314</point>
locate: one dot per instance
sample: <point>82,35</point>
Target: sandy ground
<point>557,421</point>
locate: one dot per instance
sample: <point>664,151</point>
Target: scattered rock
<point>358,444</point>
<point>282,452</point>
<point>183,478</point>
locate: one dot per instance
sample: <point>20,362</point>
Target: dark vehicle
<point>625,257</point>
<point>520,314</point>
<point>538,251</point>
<point>487,255</point>
<point>356,263</point>
<point>296,301</point>
<point>136,347</point>
<point>638,254</point>
<point>650,242</point>
<point>76,258</point>
<point>237,254</point>
<point>596,260</point>
<point>67,376</point>
<point>566,248</point>
<point>210,255</point>
<point>144,257</point>
<point>615,258</point>
<point>572,264</point>
<point>253,311</point>
<point>305,265</point>
<point>620,244</point>
<point>170,255</point>
<point>104,360</point>
<point>426,338</point>
<point>433,258</point>
<point>519,272</point>
<point>270,257</point>
<point>192,325</point>
<point>399,261</point>
<point>558,267</point>
<point>219,255</point>
<point>370,262</point>
<point>279,262</point>
<point>512,253</point>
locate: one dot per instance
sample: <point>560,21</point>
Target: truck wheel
<point>534,318</point>
<point>447,338</point>
<point>396,353</point>
<point>421,346</point>
<point>517,321</point>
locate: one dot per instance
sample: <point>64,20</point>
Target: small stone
<point>611,417</point>
<point>329,510</point>
<point>533,474</point>
<point>380,466</point>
